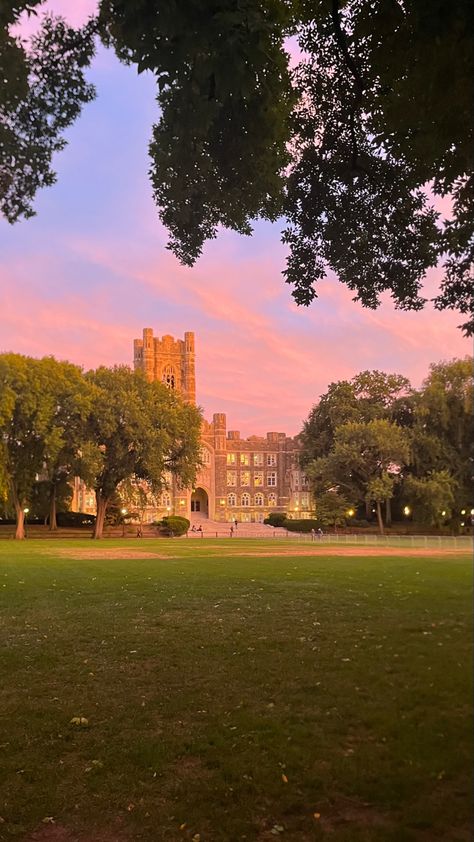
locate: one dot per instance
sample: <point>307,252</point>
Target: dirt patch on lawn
<point>352,551</point>
<point>99,553</point>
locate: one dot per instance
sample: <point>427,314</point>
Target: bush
<point>302,525</point>
<point>275,519</point>
<point>75,519</point>
<point>175,525</point>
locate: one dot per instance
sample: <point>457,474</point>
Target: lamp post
<point>123,513</point>
<point>25,520</point>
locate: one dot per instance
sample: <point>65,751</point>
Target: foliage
<point>32,431</point>
<point>331,508</point>
<point>275,519</point>
<point>42,93</point>
<point>363,462</point>
<point>218,152</point>
<point>378,118</point>
<point>369,395</point>
<point>40,499</point>
<point>75,519</point>
<point>430,496</point>
<point>139,430</point>
<point>175,525</point>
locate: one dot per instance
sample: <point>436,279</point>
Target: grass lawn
<point>233,691</point>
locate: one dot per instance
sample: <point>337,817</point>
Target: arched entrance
<point>200,502</point>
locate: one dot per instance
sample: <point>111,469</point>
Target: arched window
<point>205,456</point>
<point>165,500</point>
<point>168,377</point>
<point>231,499</point>
<point>259,499</point>
<point>245,499</point>
<point>272,500</point>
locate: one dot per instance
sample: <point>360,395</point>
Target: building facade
<point>240,479</point>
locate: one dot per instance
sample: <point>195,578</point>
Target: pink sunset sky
<point>82,278</point>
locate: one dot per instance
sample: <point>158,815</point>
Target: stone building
<point>240,479</point>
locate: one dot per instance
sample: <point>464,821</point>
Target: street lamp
<point>443,513</point>
<point>25,512</point>
<point>123,512</point>
<point>406,510</point>
<point>350,512</point>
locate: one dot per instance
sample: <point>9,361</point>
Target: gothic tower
<point>169,360</point>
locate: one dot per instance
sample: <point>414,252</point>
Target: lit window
<point>245,499</point>
<point>272,500</point>
<point>244,459</point>
<point>304,480</point>
<point>165,500</point>
<point>259,499</point>
<point>258,459</point>
<point>231,459</point>
<point>305,499</point>
<point>231,499</point>
<point>258,478</point>
<point>245,477</point>
<point>271,459</point>
<point>231,478</point>
<point>272,478</point>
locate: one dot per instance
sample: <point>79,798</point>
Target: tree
<point>432,496</point>
<point>29,435</point>
<point>442,432</point>
<point>375,119</point>
<point>43,90</point>
<point>369,395</point>
<point>73,399</point>
<point>364,462</point>
<point>138,430</point>
<point>331,508</point>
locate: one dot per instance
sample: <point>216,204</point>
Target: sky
<point>83,278</point>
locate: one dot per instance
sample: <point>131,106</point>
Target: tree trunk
<point>379,517</point>
<point>53,525</point>
<point>388,512</point>
<point>20,522</point>
<point>102,503</point>
<point>368,510</point>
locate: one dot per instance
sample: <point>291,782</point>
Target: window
<point>258,478</point>
<point>231,459</point>
<point>245,518</point>
<point>259,517</point>
<point>272,499</point>
<point>231,499</point>
<point>231,478</point>
<point>271,459</point>
<point>305,499</point>
<point>272,478</point>
<point>245,477</point>
<point>259,499</point>
<point>245,459</point>
<point>205,456</point>
<point>168,377</point>
<point>304,481</point>
<point>258,459</point>
<point>245,499</point>
<point>165,500</point>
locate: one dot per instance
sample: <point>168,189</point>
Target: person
<point>193,528</point>
<point>320,533</point>
<point>139,532</point>
<point>313,534</point>
<point>235,523</point>
<point>231,531</point>
<point>199,529</point>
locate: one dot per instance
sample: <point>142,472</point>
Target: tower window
<point>169,377</point>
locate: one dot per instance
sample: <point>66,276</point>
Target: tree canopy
<point>348,147</point>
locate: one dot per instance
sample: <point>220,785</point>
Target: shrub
<point>275,519</point>
<point>175,525</point>
<point>302,525</point>
<point>75,519</point>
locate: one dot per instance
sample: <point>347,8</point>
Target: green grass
<point>236,695</point>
